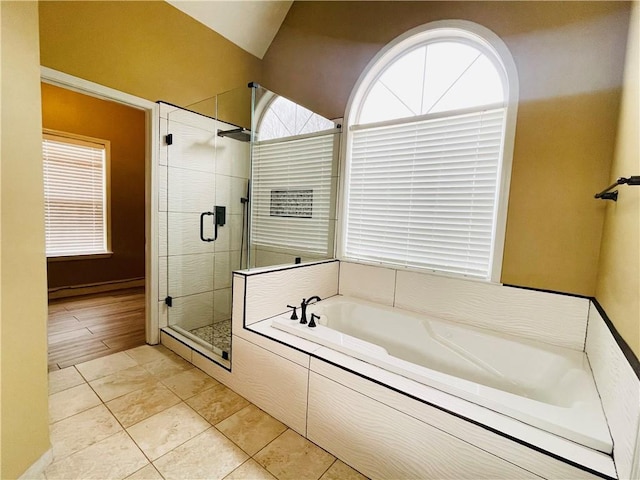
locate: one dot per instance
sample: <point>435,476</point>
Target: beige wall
<point>23,283</point>
<point>569,57</point>
<point>124,127</point>
<point>618,287</point>
<point>149,49</point>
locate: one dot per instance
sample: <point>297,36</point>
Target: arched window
<point>293,181</point>
<point>429,145</point>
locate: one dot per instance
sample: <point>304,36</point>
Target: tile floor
<point>145,413</point>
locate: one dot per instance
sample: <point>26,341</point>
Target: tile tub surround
<point>552,318</point>
<point>154,433</point>
<point>257,344</point>
<point>619,387</point>
<point>515,451</point>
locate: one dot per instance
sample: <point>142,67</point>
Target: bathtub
<point>544,386</point>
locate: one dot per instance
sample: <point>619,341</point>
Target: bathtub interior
<point>548,387</point>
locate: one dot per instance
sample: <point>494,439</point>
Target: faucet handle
<point>294,313</point>
<point>312,322</point>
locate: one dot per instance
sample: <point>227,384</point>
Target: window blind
<point>291,193</point>
<point>423,194</point>
<point>75,193</point>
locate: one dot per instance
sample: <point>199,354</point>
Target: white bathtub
<point>548,387</point>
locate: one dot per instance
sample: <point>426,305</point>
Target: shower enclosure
<point>206,182</point>
<point>244,154</point>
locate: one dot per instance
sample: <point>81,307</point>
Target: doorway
<point>101,304</point>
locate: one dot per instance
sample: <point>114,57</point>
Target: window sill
<point>90,256</point>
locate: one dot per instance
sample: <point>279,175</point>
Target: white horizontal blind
<point>423,194</point>
<point>291,193</point>
<point>74,189</point>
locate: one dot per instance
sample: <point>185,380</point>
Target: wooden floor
<point>93,326</point>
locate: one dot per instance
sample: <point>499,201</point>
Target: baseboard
<point>88,289</point>
<point>36,471</point>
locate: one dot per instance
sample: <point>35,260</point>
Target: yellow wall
<point>148,49</point>
<point>569,57</point>
<point>124,128</point>
<point>618,288</point>
<point>23,314</point>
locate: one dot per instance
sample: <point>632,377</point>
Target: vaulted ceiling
<point>250,24</point>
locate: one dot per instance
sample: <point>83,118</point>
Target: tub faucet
<point>303,307</point>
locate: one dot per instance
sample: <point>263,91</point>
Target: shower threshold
<point>202,340</point>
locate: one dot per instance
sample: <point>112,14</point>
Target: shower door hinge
<point>168,139</point>
<point>169,301</point>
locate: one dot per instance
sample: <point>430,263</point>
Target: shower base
<point>218,334</point>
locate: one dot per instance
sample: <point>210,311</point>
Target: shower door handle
<point>202,237</point>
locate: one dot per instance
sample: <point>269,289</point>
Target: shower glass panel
<point>294,178</point>
<point>207,178</point>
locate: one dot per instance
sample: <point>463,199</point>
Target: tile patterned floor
<point>147,414</point>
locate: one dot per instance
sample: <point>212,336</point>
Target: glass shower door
<point>191,200</point>
<point>207,188</point>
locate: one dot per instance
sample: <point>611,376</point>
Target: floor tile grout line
<point>335,459</point>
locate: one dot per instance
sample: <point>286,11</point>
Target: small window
<point>429,147</point>
<point>76,194</point>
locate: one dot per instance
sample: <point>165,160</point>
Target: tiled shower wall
<point>198,171</point>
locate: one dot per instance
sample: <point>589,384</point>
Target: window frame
<point>489,44</point>
<point>77,139</point>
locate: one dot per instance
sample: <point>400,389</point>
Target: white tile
<point>371,283</point>
<point>263,378</point>
<point>223,191</point>
<point>236,232</point>
<point>176,346</point>
<point>238,190</point>
<point>162,278</point>
<point>163,314</point>
<point>222,304</point>
<point>223,241</point>
<point>240,163</point>
<point>619,390</point>
<point>193,148</point>
<point>281,347</point>
<point>162,189</point>
<point>556,319</point>
<point>222,271</point>
<point>237,313</point>
<point>409,449</point>
<point>162,150</point>
<point>162,234</point>
<point>234,260</point>
<point>191,191</point>
<point>193,311</point>
<point>533,460</point>
<point>184,234</point>
<point>189,274</point>
<point>269,293</point>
